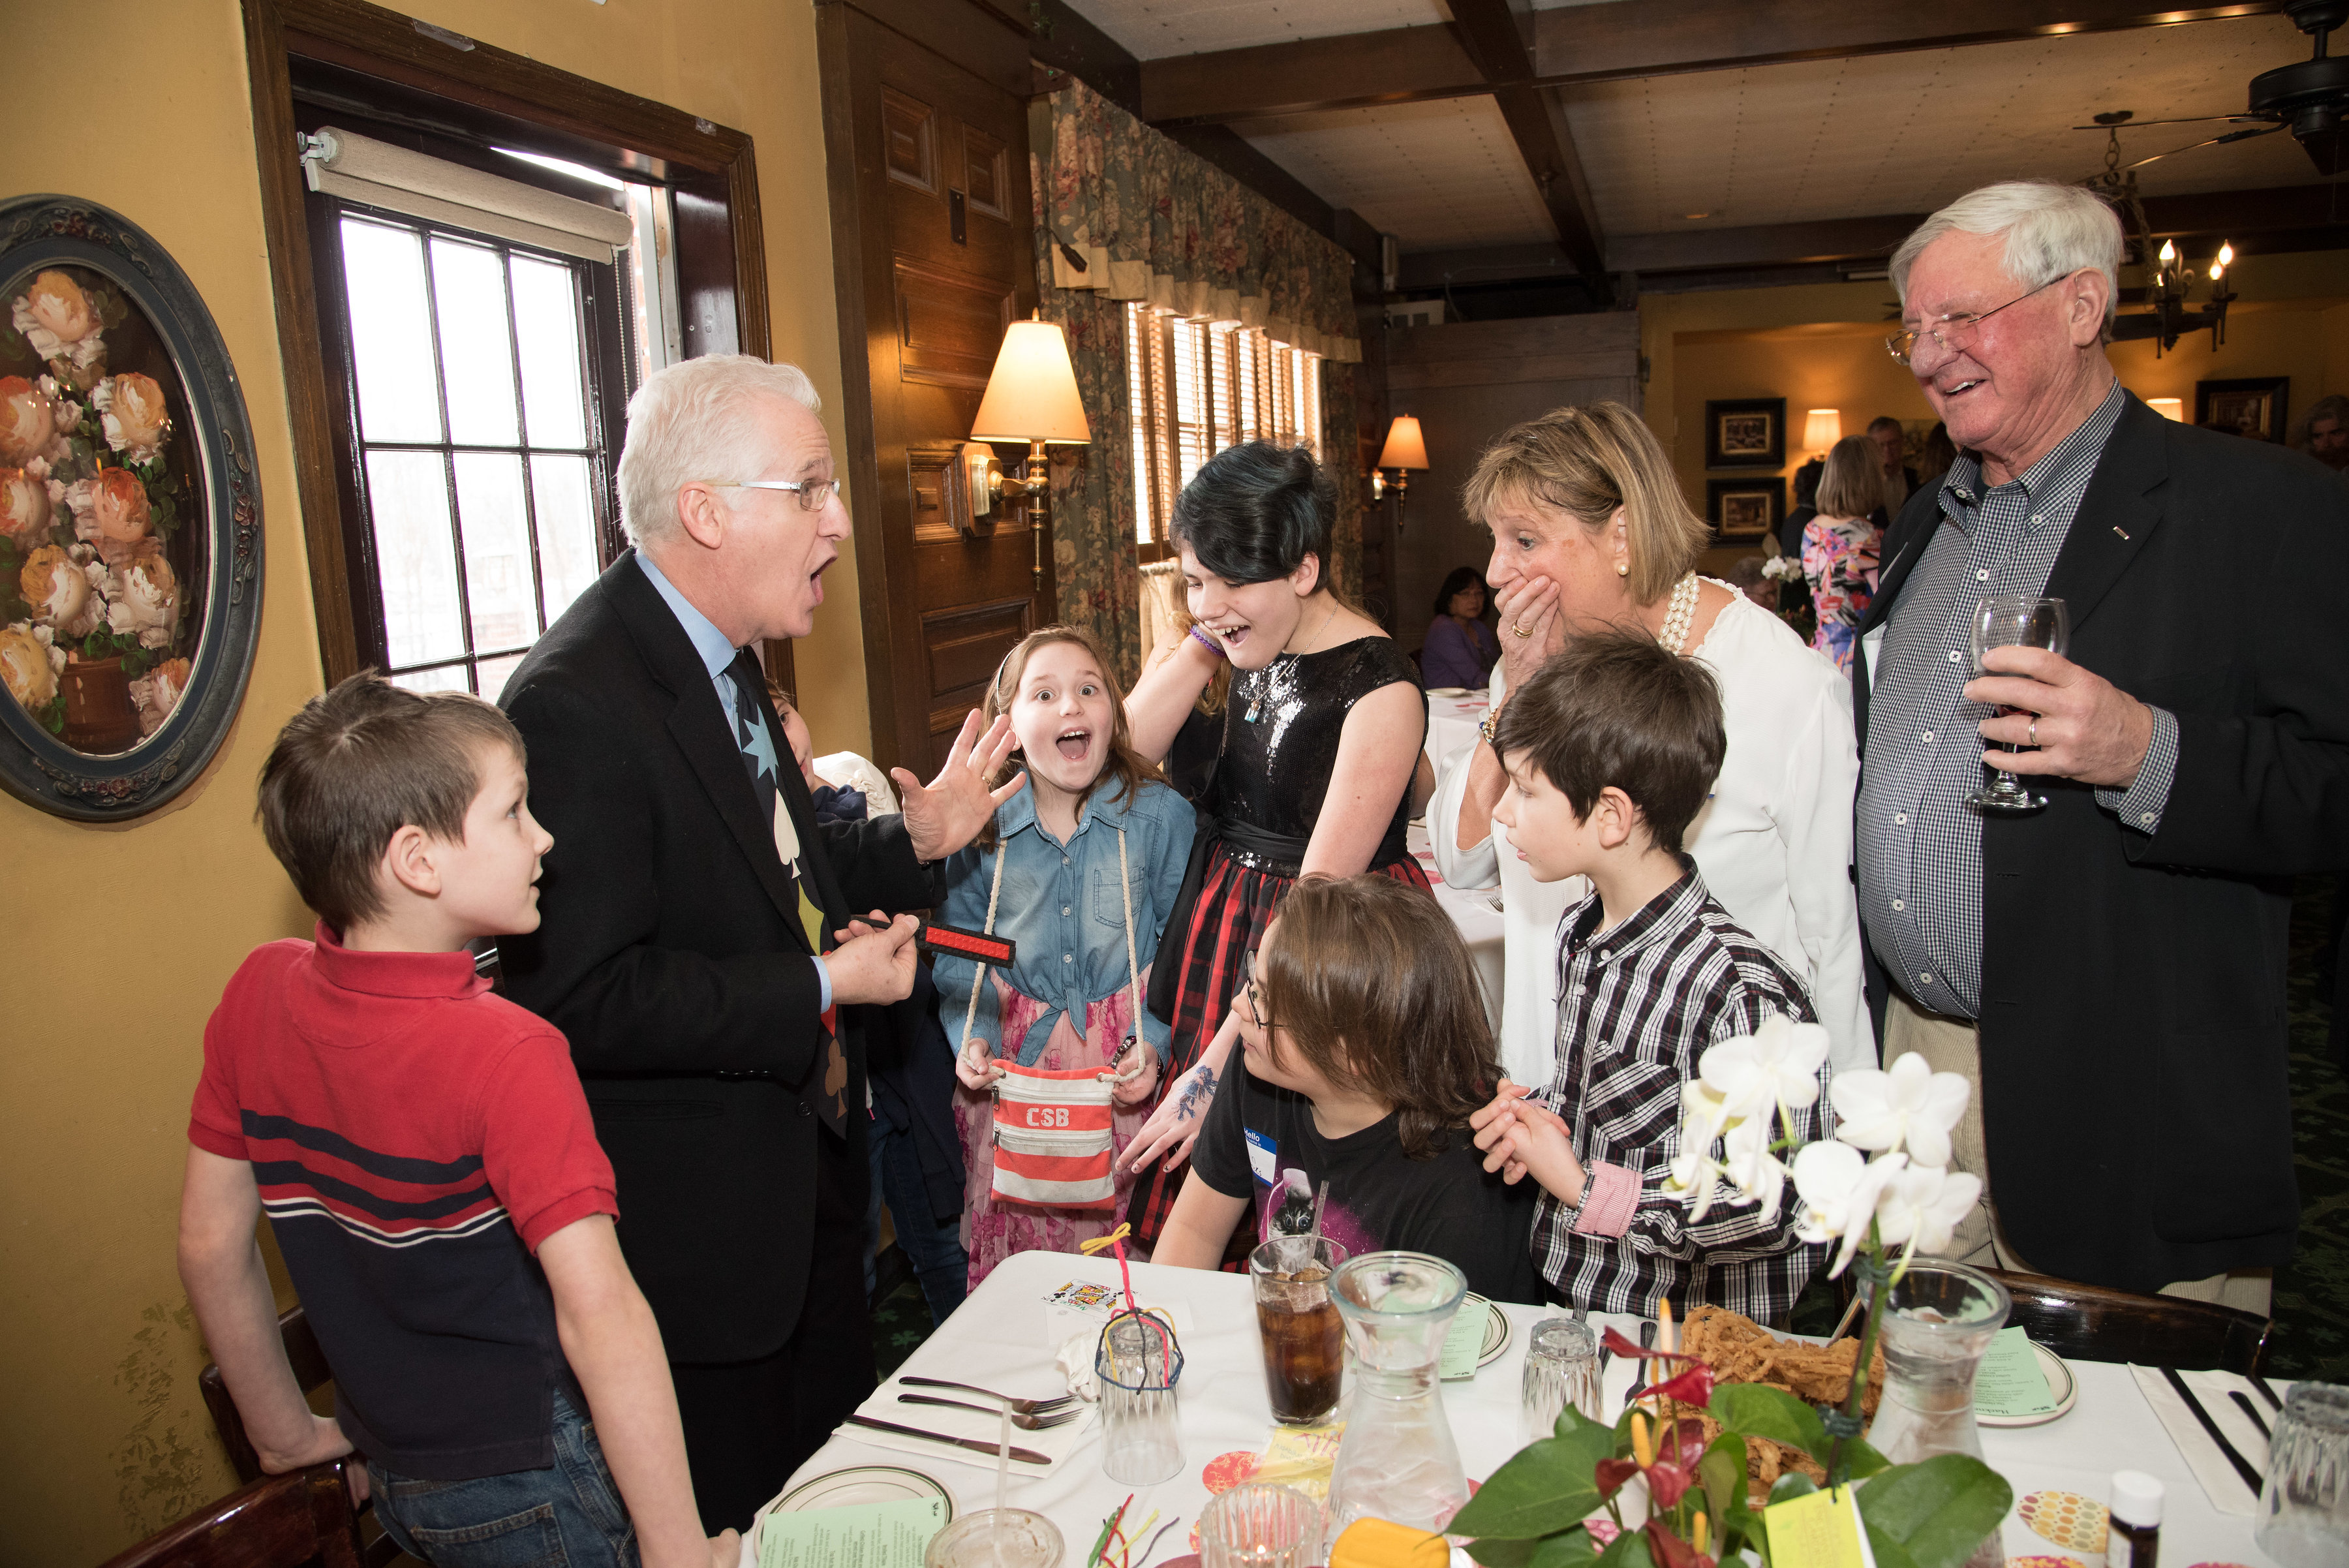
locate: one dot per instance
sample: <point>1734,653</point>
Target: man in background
<point>1900,478</point>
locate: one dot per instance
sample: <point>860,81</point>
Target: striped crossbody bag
<point>1052,1134</point>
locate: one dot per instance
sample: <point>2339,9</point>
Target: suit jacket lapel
<point>1905,545</point>
<point>702,732</point>
<point>2117,515</point>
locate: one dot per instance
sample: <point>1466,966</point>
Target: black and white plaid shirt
<point>1920,845</point>
<point>1637,1006</point>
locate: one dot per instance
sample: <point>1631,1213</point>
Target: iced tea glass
<point>1304,1337</point>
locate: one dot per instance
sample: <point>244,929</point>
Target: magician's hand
<point>949,813</point>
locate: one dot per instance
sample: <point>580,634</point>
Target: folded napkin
<point>1056,1443</point>
<point>2221,1481</point>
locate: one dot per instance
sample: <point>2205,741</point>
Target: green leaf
<point>1794,1483</point>
<point>1566,1549</point>
<point>1495,1551</point>
<point>1629,1550</point>
<point>1546,1488</point>
<point>1755,1411</point>
<point>1862,1461</point>
<point>52,715</point>
<point>1936,1512</point>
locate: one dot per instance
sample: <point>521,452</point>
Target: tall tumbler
<point>1304,1338</point>
<point>2304,1508</point>
<point>1561,1370</point>
<point>1137,1366</point>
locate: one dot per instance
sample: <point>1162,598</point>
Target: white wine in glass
<point>2015,620</point>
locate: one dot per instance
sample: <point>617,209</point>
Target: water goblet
<point>2015,620</point>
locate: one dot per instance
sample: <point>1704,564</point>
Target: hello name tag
<point>1263,1157</point>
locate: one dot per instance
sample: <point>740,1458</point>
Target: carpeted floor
<point>2311,1294</point>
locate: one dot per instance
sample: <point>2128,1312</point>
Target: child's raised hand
<point>1135,1075</point>
<point>975,1066</point>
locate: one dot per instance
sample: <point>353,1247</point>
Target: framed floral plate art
<point>130,517</point>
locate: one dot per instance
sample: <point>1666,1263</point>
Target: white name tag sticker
<point>1262,1155</point>
<point>1872,647</point>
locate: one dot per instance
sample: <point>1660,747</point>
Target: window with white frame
<point>1194,387</point>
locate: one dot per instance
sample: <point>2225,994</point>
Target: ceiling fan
<point>2310,98</point>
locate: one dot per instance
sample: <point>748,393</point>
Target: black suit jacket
<point>671,954</point>
<point>2133,1039</point>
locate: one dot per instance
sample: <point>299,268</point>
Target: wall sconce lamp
<point>1407,449</point>
<point>1031,396</point>
<point>1821,430</point>
<point>2168,408</point>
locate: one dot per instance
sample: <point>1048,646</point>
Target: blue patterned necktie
<point>760,760</point>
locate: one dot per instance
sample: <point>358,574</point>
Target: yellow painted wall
<point>120,937</point>
<point>1821,346</point>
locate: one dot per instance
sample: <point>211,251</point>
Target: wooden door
<point>932,246</point>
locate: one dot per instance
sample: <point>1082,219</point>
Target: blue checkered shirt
<point>1920,845</point>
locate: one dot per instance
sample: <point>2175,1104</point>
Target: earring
<point>1622,568</point>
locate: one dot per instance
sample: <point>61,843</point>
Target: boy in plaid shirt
<point>1611,750</point>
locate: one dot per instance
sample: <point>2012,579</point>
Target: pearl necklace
<point>1679,614</point>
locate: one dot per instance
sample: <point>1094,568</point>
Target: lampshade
<point>1406,448</point>
<point>1032,393</point>
<point>2168,408</point>
<point>1822,429</point>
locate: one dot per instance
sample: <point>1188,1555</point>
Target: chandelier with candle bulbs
<point>2168,284</point>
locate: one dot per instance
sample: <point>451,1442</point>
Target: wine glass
<point>2015,620</point>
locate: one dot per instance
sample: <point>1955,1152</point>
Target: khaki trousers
<point>1954,1046</point>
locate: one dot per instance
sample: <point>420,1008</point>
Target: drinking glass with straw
<point>1137,1366</point>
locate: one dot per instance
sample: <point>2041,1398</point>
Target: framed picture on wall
<point>2254,406</point>
<point>1745,432</point>
<point>1742,509</point>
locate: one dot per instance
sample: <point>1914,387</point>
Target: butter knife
<point>977,1445</point>
<point>2210,1429</point>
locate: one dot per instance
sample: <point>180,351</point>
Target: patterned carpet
<point>2312,1296</point>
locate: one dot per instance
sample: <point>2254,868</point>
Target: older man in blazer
<point>695,942</point>
<point>2109,967</point>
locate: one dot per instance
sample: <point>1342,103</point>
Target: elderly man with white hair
<point>2110,967</point>
<point>696,938</point>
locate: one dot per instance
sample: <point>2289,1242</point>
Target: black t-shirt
<point>1380,1198</point>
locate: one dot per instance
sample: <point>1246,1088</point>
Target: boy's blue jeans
<point>569,1516</point>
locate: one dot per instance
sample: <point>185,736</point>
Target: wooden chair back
<point>2092,1323</point>
<point>292,1520</point>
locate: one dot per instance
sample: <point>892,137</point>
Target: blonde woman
<point>1839,544</point>
<point>1589,532</point>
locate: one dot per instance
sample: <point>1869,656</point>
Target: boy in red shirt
<point>424,1152</point>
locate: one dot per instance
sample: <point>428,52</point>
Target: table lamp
<point>1407,449</point>
<point>1031,396</point>
<point>1822,429</point>
<point>2168,408</point>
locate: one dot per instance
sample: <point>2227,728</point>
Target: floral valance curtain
<point>1133,215</point>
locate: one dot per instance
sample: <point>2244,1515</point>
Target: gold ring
<point>1516,630</point>
<point>2034,729</point>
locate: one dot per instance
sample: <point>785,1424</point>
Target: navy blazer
<point>2135,1096</point>
<point>671,954</point>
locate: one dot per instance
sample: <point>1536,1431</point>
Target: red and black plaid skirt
<point>1236,903</point>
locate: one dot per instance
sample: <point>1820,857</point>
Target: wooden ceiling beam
<point>1621,38</point>
<point>1498,37</point>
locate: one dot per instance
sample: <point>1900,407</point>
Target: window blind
<point>377,174</point>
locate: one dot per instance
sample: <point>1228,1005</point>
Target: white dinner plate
<point>2060,1384</point>
<point>1447,691</point>
<point>1497,1329</point>
<point>862,1483</point>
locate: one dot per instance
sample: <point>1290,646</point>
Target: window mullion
<point>448,456</point>
<point>522,419</point>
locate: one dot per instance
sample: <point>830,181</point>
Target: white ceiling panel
<point>1437,175</point>
<point>1151,29</point>
<point>1905,132</point>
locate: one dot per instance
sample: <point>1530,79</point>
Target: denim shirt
<point>1060,903</point>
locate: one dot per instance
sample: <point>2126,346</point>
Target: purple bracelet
<point>1209,643</point>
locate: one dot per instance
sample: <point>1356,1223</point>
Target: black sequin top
<point>1276,766</point>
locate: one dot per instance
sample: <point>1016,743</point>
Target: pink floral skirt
<point>993,1228</point>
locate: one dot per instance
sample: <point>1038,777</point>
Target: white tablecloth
<point>995,1340</point>
<point>1478,916</point>
<point>1451,726</point>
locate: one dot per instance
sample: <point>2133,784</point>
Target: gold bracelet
<point>1492,723</point>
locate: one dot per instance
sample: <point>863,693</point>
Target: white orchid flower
<point>1776,1066</point>
<point>1751,1168</point>
<point>1921,1208</point>
<point>1695,1173</point>
<point>1911,1107</point>
<point>1840,1190</point>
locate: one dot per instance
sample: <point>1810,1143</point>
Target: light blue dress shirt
<point>718,652</point>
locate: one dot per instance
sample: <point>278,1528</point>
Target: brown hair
<point>1586,462</point>
<point>356,765</point>
<point>1125,764</point>
<point>1370,978</point>
<point>1853,483</point>
<point>1619,708</point>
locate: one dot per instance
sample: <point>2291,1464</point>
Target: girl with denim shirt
<point>1094,842</point>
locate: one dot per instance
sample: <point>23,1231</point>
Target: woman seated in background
<point>1839,544</point>
<point>1364,1049</point>
<point>1460,649</point>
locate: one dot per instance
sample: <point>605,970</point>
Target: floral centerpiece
<point>1651,1490</point>
<point>90,503</point>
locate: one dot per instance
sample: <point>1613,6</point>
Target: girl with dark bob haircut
<point>1324,711</point>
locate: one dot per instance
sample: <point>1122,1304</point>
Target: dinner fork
<point>1021,1407</point>
<point>1024,1422</point>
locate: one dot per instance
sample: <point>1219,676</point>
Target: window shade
<point>359,169</point>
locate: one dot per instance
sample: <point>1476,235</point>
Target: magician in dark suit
<point>685,902</point>
<point>2115,961</point>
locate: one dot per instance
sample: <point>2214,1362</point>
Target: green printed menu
<point>867,1535</point>
<point>2012,1381</point>
<point>1464,1342</point>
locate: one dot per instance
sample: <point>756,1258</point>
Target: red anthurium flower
<point>1610,1475</point>
<point>1667,1482</point>
<point>1671,1551</point>
<point>1684,1443</point>
<point>1692,1386</point>
<point>1615,1341</point>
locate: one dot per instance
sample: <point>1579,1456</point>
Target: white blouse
<point>1774,843</point>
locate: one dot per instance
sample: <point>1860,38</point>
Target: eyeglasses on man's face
<point>813,492</point>
<point>1952,333</point>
